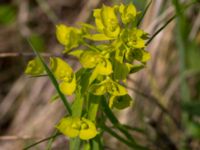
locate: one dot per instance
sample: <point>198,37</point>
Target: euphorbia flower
<point>34,67</point>
<point>74,126</point>
<point>101,64</point>
<point>109,86</point>
<point>128,13</point>
<point>68,36</point>
<point>106,21</point>
<point>64,73</point>
<point>134,38</point>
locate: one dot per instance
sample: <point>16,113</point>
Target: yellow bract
<point>89,59</point>
<point>68,36</point>
<point>68,87</point>
<point>128,13</point>
<point>104,67</point>
<point>61,69</point>
<point>134,38</point>
<point>101,65</point>
<point>106,21</point>
<point>34,67</point>
<point>74,126</point>
<point>64,73</point>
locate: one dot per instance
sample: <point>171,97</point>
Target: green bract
<point>120,102</point>
<point>108,86</point>
<point>74,126</point>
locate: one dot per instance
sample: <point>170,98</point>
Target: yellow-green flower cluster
<point>77,127</point>
<point>119,50</point>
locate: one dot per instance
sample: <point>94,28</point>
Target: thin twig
<point>143,14</point>
<point>41,141</point>
<point>15,137</point>
<point>160,29</point>
<point>27,54</point>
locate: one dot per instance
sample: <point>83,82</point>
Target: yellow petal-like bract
<point>128,13</point>
<point>64,73</point>
<point>74,126</point>
<point>34,67</point>
<point>68,36</point>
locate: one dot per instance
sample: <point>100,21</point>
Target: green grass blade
<point>128,143</point>
<point>171,19</point>
<point>109,113</point>
<point>41,141</point>
<point>160,29</point>
<point>51,140</point>
<point>115,121</point>
<point>144,13</point>
<point>53,80</point>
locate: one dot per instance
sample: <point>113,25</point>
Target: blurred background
<point>166,110</point>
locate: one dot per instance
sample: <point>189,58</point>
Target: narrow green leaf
<point>128,143</point>
<point>51,141</point>
<point>53,80</point>
<point>115,121</point>
<point>160,29</point>
<point>144,13</point>
<point>108,112</point>
<point>41,141</point>
<point>54,97</point>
